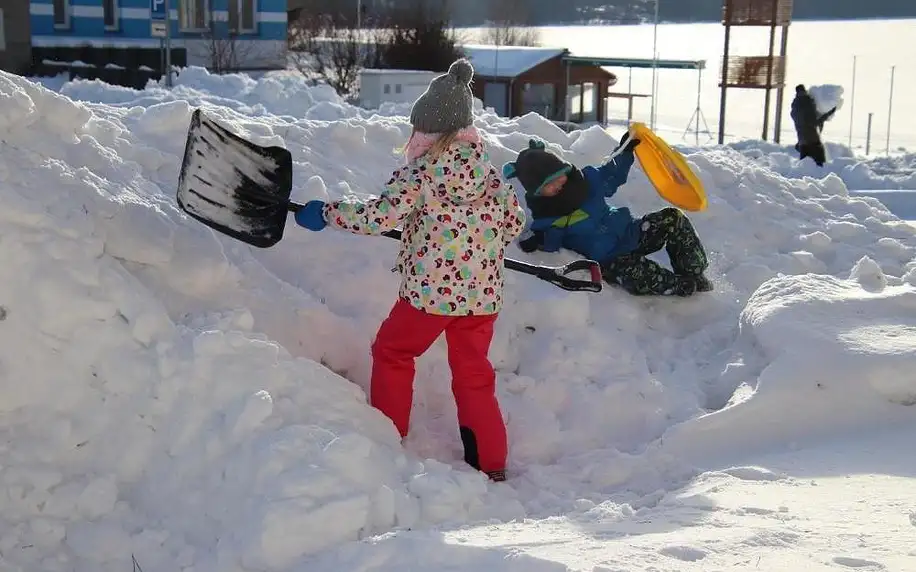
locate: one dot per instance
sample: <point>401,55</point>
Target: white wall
<point>392,86</point>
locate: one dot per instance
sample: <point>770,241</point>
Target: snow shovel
<point>242,190</point>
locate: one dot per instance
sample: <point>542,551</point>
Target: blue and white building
<point>256,29</point>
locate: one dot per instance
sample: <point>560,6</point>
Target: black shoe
<point>684,286</point>
<point>704,284</point>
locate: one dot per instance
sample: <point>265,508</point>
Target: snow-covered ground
<point>171,395</point>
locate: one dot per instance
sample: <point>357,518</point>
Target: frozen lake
<point>818,53</point>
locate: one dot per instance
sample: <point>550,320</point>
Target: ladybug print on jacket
<point>458,216</point>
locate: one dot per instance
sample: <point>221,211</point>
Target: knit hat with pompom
<point>447,104</point>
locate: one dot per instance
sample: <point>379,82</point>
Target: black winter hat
<point>534,166</point>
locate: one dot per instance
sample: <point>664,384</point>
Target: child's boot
<point>684,286</point>
<point>497,476</point>
<point>704,284</point>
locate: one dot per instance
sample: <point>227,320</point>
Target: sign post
<point>160,27</point>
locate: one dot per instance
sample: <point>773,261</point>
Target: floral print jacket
<point>458,217</point>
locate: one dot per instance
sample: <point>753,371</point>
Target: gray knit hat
<point>447,104</point>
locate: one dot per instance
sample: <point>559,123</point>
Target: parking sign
<point>157,9</point>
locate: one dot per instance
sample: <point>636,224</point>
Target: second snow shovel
<point>242,190</point>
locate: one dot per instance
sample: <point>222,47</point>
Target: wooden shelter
<point>756,72</point>
<point>516,80</point>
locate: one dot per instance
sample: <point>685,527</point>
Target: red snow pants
<point>403,337</point>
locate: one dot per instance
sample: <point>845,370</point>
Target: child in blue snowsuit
<point>569,210</point>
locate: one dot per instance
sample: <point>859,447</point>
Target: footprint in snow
<point>857,562</point>
<point>685,553</point>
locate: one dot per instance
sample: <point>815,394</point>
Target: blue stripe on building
<point>86,20</point>
<point>130,28</point>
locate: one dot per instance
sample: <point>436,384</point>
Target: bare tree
<point>509,24</point>
<point>224,46</point>
<point>332,50</point>
<point>329,48</point>
<point>421,38</point>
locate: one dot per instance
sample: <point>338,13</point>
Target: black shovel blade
<point>234,186</point>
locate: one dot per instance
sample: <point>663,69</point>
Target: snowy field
<point>173,396</point>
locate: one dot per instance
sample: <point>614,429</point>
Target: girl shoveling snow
<point>458,217</point>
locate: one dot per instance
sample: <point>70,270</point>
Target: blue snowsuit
<point>580,219</point>
<point>596,229</point>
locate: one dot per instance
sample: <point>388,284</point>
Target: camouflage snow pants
<point>670,229</point>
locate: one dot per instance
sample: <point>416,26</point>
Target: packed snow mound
<point>185,405</point>
<point>282,93</point>
<point>826,97</point>
<point>188,440</point>
<point>901,202</point>
<point>820,355</point>
<point>892,172</point>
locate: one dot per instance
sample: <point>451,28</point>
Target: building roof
<point>635,63</point>
<point>377,71</point>
<point>507,61</point>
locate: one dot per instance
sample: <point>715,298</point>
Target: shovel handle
<point>556,275</point>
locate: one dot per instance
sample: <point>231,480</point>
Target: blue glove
<point>311,216</point>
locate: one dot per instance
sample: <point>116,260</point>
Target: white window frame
<point>184,16</point>
<point>68,12</point>
<point>239,8</point>
<point>116,16</point>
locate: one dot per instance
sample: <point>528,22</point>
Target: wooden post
<point>780,92</point>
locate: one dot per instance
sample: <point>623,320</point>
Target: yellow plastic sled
<point>667,170</point>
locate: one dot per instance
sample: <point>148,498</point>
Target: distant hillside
<point>548,12</point>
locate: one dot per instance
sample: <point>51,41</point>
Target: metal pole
<point>868,135</point>
<point>657,88</point>
<point>168,44</point>
<point>654,65</point>
<point>890,108</point>
<point>724,80</point>
<point>568,101</point>
<point>359,14</point>
<point>852,100</point>
<point>630,97</point>
<point>699,91</point>
<point>510,96</point>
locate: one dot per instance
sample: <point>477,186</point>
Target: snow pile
<point>817,355</point>
<point>277,93</point>
<point>826,97</point>
<point>893,172</point>
<point>900,202</point>
<point>171,393</point>
<point>190,440</point>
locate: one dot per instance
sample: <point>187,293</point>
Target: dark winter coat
<point>808,124</point>
<point>595,229</point>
